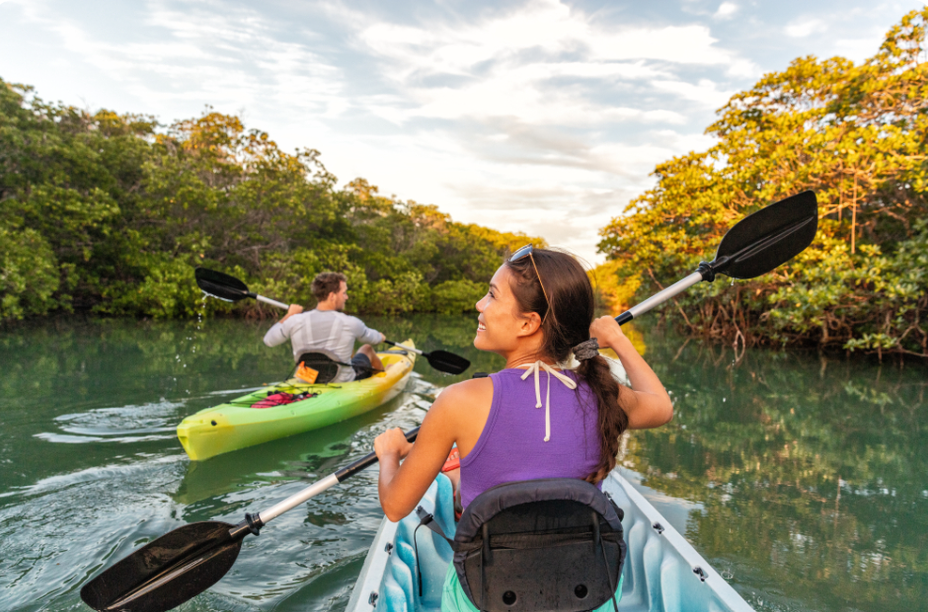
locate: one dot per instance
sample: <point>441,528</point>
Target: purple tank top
<point>511,446</point>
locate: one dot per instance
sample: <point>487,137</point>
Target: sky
<point>543,116</point>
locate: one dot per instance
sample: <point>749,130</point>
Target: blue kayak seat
<point>554,544</point>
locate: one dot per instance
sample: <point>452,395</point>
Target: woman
<point>515,425</point>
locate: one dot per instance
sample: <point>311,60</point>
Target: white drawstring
<point>568,382</point>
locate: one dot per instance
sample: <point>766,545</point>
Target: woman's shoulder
<point>462,405</point>
<point>467,391</point>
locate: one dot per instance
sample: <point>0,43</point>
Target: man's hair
<point>326,283</point>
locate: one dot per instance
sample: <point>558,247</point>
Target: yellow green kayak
<point>292,407</point>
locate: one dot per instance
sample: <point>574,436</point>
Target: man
<point>328,330</point>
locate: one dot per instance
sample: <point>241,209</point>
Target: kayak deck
<point>663,572</point>
<point>239,423</point>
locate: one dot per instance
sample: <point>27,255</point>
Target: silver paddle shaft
<point>666,294</point>
<point>268,300</point>
<point>295,500</point>
<point>329,481</point>
<point>405,348</point>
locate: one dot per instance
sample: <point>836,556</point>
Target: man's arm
<point>279,333</point>
<point>366,335</point>
<point>294,309</point>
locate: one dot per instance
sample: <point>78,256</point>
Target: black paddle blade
<point>444,361</point>
<point>767,238</point>
<point>221,285</point>
<point>166,572</point>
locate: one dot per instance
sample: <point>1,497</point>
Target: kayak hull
<point>663,572</point>
<point>237,425</point>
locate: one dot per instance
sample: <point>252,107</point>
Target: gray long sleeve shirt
<point>326,331</point>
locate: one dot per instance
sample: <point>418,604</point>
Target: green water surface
<point>802,479</point>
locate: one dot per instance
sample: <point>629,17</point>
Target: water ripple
<point>122,424</point>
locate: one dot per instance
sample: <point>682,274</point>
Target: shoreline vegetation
<point>855,134</point>
<point>109,214</point>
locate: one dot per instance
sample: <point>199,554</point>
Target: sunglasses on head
<point>519,254</point>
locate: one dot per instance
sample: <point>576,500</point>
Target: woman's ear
<point>531,323</point>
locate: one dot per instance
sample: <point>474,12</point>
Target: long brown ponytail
<point>566,324</point>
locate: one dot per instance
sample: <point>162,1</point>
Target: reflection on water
<point>93,469</point>
<point>810,470</point>
<point>801,478</point>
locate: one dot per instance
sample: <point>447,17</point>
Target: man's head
<point>332,288</point>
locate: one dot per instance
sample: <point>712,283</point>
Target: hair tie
<point>586,350</point>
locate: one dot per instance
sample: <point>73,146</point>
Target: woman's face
<point>500,324</point>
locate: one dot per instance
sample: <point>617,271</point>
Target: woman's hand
<point>392,443</point>
<point>646,401</point>
<point>607,332</point>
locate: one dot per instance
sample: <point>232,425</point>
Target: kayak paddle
<point>228,288</point>
<point>231,289</point>
<point>188,560</point>
<point>443,361</point>
<point>755,245</point>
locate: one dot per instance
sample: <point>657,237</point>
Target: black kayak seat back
<point>322,363</point>
<point>553,544</point>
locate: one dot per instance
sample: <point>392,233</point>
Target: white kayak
<point>662,571</point>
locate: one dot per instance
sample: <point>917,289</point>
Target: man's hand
<point>293,310</point>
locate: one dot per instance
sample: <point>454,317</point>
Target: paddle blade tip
<point>769,237</point>
<point>448,363</point>
<point>165,572</point>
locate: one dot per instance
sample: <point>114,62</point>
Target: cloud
<point>704,92</point>
<point>804,26</point>
<point>726,10</point>
<point>566,218</point>
<point>537,117</point>
<point>223,56</point>
<point>543,63</point>
<point>546,28</point>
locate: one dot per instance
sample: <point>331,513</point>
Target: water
<point>801,479</point>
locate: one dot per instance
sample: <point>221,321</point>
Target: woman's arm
<point>401,486</point>
<point>646,402</point>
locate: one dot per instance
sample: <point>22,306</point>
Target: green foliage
<point>796,459</point>
<point>880,298</point>
<point>404,293</point>
<point>855,134</point>
<point>164,291</point>
<point>28,274</point>
<point>111,213</point>
<point>455,297</point>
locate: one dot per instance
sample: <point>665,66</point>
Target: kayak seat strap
<point>323,363</point>
<point>553,544</point>
<point>426,520</point>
